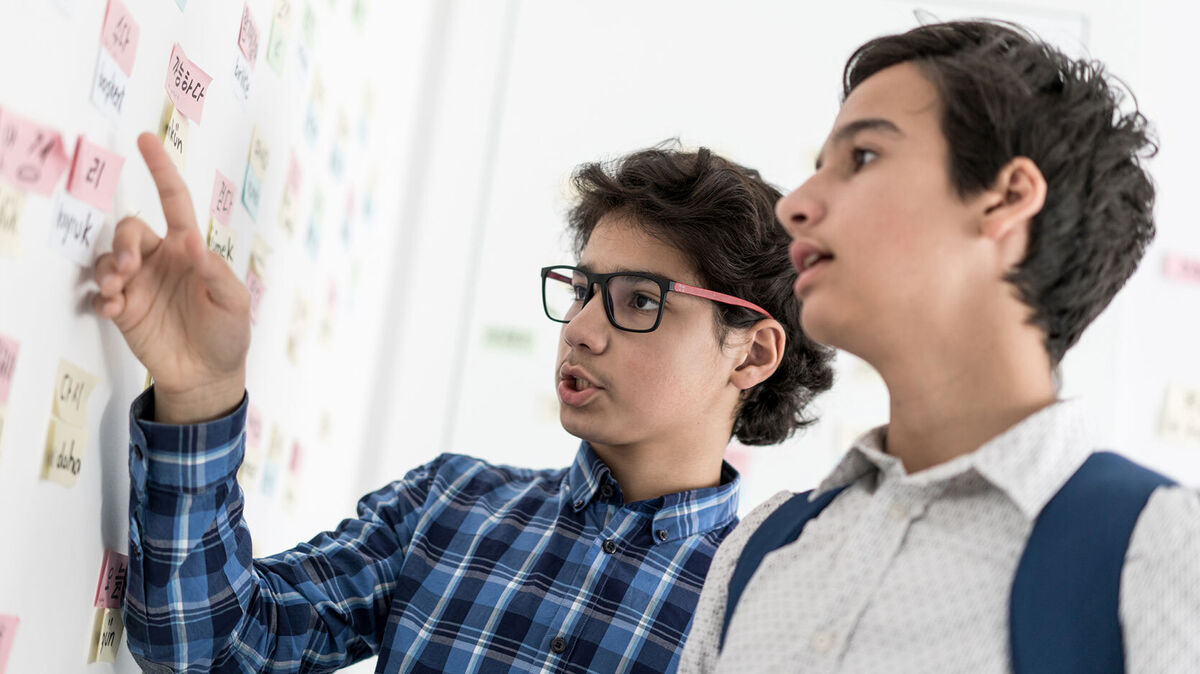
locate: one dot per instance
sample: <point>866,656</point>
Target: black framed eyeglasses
<point>633,301</point>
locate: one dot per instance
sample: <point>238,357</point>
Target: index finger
<point>172,191</point>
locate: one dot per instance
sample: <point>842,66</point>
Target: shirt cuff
<point>187,458</point>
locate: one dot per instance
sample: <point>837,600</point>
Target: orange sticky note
<point>187,85</point>
<point>32,156</point>
<point>223,196</point>
<point>110,588</point>
<point>248,35</point>
<point>120,35</point>
<point>8,633</point>
<point>94,174</point>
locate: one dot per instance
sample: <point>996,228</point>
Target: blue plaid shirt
<point>459,567</point>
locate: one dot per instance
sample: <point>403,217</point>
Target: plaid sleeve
<point>198,601</point>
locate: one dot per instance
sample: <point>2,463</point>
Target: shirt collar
<point>674,516</point>
<point>1029,462</point>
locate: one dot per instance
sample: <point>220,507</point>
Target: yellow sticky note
<point>287,213</point>
<point>260,250</point>
<point>149,381</point>
<point>72,387</point>
<point>259,154</point>
<point>65,445</point>
<point>221,240</point>
<point>251,470</point>
<point>12,205</point>
<point>106,635</point>
<point>174,133</point>
<point>298,328</point>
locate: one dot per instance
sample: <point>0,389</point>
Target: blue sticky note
<point>251,192</point>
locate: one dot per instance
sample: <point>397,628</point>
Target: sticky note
<point>75,229</point>
<point>297,456</point>
<point>293,174</point>
<point>251,191</point>
<point>248,36</point>
<point>110,588</point>
<point>297,329</point>
<point>8,365</point>
<point>221,240</point>
<point>182,4</point>
<point>251,468</point>
<point>1182,269</point>
<point>109,85</point>
<point>260,251</point>
<point>256,287</point>
<point>259,154</point>
<point>281,21</point>
<point>174,133</point>
<point>222,199</point>
<point>187,85</point>
<point>106,635</point>
<point>32,156</point>
<point>8,634</point>
<point>73,386</point>
<point>119,36</point>
<point>65,445</point>
<point>254,426</point>
<point>94,174</point>
<point>288,214</point>
<point>241,79</point>
<point>12,207</point>
<point>1180,422</point>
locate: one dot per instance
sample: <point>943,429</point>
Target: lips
<point>576,387</point>
<point>808,258</point>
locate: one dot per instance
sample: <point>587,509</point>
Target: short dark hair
<point>721,216</point>
<point>1006,94</point>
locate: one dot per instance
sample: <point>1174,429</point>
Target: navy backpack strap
<point>780,528</point>
<point>1065,606</point>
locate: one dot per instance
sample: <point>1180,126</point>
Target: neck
<point>950,398</point>
<point>649,470</point>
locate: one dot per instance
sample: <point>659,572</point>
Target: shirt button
<point>137,451</point>
<point>558,645</point>
<point>606,491</point>
<point>821,641</point>
<point>899,512</point>
<point>579,503</point>
<point>610,546</point>
<point>662,534</point>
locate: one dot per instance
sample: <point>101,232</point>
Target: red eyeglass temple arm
<point>718,297</point>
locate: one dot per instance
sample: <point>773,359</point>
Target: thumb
<point>222,284</point>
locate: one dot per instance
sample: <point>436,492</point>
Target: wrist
<point>199,404</point>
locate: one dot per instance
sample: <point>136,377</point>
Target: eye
<point>862,156</point>
<point>644,302</point>
<point>581,292</point>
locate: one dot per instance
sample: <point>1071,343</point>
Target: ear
<point>1018,194</point>
<point>761,354</point>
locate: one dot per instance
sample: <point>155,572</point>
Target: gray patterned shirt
<point>912,573</point>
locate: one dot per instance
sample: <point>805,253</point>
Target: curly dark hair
<point>1005,94</point>
<point>721,216</point>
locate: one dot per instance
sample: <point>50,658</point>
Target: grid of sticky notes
<point>67,435</point>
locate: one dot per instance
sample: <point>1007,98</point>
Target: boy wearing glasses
<point>980,200</point>
<point>668,349</point>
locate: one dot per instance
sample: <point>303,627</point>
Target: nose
<point>589,329</point>
<point>800,208</point>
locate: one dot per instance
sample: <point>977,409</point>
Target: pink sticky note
<point>120,35</point>
<point>297,453</point>
<point>257,289</point>
<point>1182,269</point>
<point>110,589</point>
<point>187,85</point>
<point>248,36</point>
<point>253,426</point>
<point>94,174</point>
<point>223,196</point>
<point>8,364</point>
<point>293,174</point>
<point>32,156</point>
<point>8,633</point>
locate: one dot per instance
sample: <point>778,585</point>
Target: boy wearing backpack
<point>978,203</point>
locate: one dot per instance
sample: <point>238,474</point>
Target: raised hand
<point>182,310</point>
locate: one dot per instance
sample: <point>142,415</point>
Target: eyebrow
<point>858,126</point>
